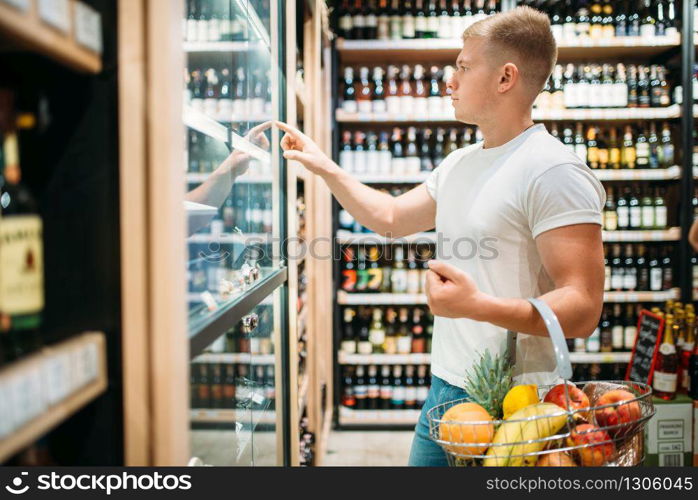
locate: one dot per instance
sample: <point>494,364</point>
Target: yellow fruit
<point>518,397</point>
<point>469,424</point>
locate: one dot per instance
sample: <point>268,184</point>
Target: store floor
<point>368,448</point>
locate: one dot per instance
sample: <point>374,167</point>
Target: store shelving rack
<point>410,51</point>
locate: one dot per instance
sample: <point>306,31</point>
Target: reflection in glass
<point>233,394</point>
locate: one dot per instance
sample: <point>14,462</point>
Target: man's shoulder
<point>541,152</point>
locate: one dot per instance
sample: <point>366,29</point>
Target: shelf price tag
<point>22,5</point>
<point>55,13</point>
<point>88,27</point>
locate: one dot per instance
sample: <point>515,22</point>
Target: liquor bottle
<point>580,146</point>
<point>383,21</point>
<point>363,92</point>
<point>372,156</point>
<point>656,272</point>
<point>395,20</point>
<point>390,344</point>
<point>648,211</point>
<point>348,395</point>
<point>346,152</point>
<point>667,147</point>
<point>596,18</point>
<point>643,276</point>
<point>349,104</point>
<point>21,246</point>
<point>422,386</point>
<point>392,99</point>
<point>349,273</point>
<point>204,385</point>
<point>406,92</point>
<point>602,146</point>
<point>665,377</point>
<point>667,270</point>
<point>418,334</point>
<point>364,345</point>
<point>438,152</point>
<point>444,30</point>
<point>348,344</point>
<point>360,153</point>
<point>610,216</point>
<point>593,342</point>
<point>385,157</point>
<point>346,21</point>
<point>582,22</point>
<point>398,400</point>
<point>628,152</point>
<point>643,88</point>
<point>660,210</point>
<point>629,328</point>
<point>569,26</point>
<point>370,20</point>
<point>414,273</point>
<point>386,388</point>
<point>592,148</point>
<point>648,28</point>
<point>632,85</point>
<point>614,156</point>
<point>556,20</point>
<point>378,104</point>
<point>620,88</point>
<point>229,396</point>
<point>617,269</point>
<point>621,20</point>
<point>434,100</point>
<point>671,29</point>
<point>399,273</point>
<point>420,20</point>
<point>410,389</point>
<point>617,328</point>
<point>358,21</point>
<point>608,19</point>
<point>419,102</point>
<point>426,164</point>
<point>642,150</point>
<point>375,272</point>
<point>408,20</point>
<point>372,389</point>
<point>360,389</point>
<point>412,160</point>
<point>629,270</point>
<point>398,161</point>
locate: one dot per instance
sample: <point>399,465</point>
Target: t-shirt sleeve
<point>562,196</point>
<point>432,182</point>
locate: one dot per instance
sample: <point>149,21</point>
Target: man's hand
<point>299,147</point>
<point>452,293</point>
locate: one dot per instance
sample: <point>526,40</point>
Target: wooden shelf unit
<point>27,31</point>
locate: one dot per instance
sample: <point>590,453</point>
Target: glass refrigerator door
<point>234,201</point>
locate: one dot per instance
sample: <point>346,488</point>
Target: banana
<point>536,430</point>
<point>508,432</point>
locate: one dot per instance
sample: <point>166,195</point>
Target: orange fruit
<point>467,423</point>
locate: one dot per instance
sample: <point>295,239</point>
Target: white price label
<point>22,5</point>
<point>88,27</point>
<point>55,13</point>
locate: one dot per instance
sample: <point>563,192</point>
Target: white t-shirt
<point>491,204</point>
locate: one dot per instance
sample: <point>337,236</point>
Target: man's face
<point>474,83</point>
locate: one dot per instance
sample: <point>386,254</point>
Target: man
<point>529,205</point>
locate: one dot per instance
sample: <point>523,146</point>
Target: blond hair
<point>524,33</point>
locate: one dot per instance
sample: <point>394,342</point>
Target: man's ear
<point>509,75</point>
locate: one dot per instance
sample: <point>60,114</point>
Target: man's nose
<point>451,84</point>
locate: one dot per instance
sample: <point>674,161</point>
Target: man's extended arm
<point>409,213</point>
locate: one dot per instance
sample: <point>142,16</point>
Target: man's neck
<point>498,132</point>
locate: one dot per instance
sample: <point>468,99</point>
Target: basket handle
<point>562,353</point>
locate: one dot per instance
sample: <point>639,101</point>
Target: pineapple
<point>488,382</point>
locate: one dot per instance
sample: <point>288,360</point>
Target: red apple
<point>618,417</point>
<point>556,459</point>
<point>577,399</point>
<point>594,446</point>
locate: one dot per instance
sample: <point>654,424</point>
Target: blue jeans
<point>425,452</point>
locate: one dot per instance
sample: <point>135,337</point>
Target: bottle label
<point>664,382</point>
<point>420,24</point>
<point>411,394</point>
<point>629,334</point>
<point>667,349</point>
<point>385,162</point>
<point>635,217</point>
<point>383,28</point>
<point>434,105</point>
<point>420,106</point>
<point>379,106</point>
<point>398,396</point>
<point>630,279</point>
<point>365,347</point>
<point>433,24</point>
<point>623,217</point>
<point>422,394</point>
<point>557,31</point>
<point>364,107</point>
<point>377,336</point>
<point>21,262</point>
<point>611,221</point>
<point>398,167</point>
<point>393,105</point>
<point>372,159</point>
<point>359,21</point>
<point>607,279</point>
<point>617,280</point>
<point>412,167</point>
<point>656,279</point>
<point>404,344</point>
<point>371,21</point>
<point>445,27</point>
<point>617,336</point>
<point>348,346</point>
<point>350,106</point>
<point>386,392</point>
<point>346,160</point>
<point>648,217</point>
<point>373,391</point>
<point>408,26</point>
<point>581,151</point>
<point>648,31</point>
<point>660,214</point>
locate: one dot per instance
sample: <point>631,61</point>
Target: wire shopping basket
<point>596,423</point>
